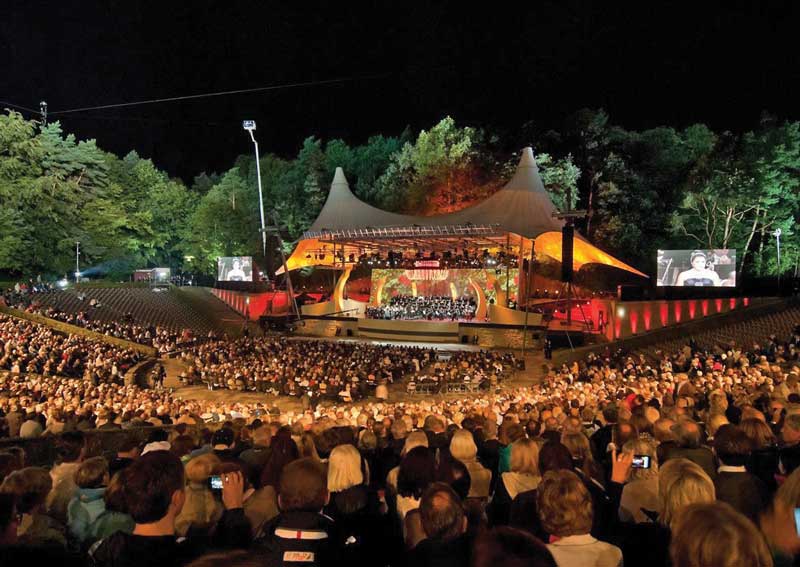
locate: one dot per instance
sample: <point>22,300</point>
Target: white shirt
<point>585,551</point>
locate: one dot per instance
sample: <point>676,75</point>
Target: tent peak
<point>527,159</point>
<point>338,177</point>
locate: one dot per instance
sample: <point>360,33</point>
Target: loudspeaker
<point>567,235</point>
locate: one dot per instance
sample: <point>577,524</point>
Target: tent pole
<point>527,299</point>
<point>508,264</point>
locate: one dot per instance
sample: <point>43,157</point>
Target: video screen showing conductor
<point>235,269</point>
<point>697,268</point>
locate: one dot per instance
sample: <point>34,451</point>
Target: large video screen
<point>235,269</point>
<point>442,282</point>
<point>697,268</point>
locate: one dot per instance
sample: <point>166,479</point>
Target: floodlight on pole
<point>77,261</point>
<point>250,127</point>
<point>777,235</point>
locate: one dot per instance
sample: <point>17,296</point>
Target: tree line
<point>642,190</point>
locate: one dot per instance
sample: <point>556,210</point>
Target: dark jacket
<point>438,553</point>
<point>128,550</point>
<point>300,537</point>
<point>359,524</point>
<point>744,491</point>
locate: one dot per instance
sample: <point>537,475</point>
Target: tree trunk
<point>750,239</point>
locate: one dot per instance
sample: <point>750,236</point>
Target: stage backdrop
<point>427,282</point>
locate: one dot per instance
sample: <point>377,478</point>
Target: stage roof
<point>521,210</point>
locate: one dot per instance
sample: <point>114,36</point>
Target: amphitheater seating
<point>161,308</point>
<point>743,333</point>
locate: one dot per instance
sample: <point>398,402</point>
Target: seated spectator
<point>417,471</point>
<point>9,520</point>
<point>734,485</point>
<point>30,487</point>
<point>88,504</point>
<point>715,534</point>
<point>445,525</point>
<point>127,451</point>
<point>508,547</point>
<point>565,510</point>
<point>790,449</point>
<point>301,533</point>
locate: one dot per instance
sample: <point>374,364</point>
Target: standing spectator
<point>734,485</point>
<point>523,477</point>
<point>508,547</point>
<point>72,447</point>
<point>154,495</point>
<point>30,487</point>
<point>715,534</point>
<point>565,509</point>
<point>463,448</point>
<point>88,504</point>
<point>301,533</point>
<point>444,523</point>
<point>640,495</point>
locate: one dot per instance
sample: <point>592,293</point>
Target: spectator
<point>201,510</point>
<point>88,504</point>
<point>463,448</point>
<point>688,434</point>
<point>523,477</point>
<point>445,526</point>
<point>715,534</point>
<point>734,485</point>
<point>30,487</point>
<point>508,547</point>
<point>639,503</point>
<point>301,533</point>
<point>71,449</point>
<point>565,510</point>
<point>154,496</point>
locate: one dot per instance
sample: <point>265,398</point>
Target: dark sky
<point>674,64</point>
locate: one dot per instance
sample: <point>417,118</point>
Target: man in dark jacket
<point>445,526</point>
<point>301,535</point>
<point>734,485</point>
<point>154,495</point>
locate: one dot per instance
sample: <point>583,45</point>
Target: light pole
<point>250,126</point>
<point>777,235</point>
<point>77,261</point>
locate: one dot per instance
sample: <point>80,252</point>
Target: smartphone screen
<point>641,462</point>
<point>215,482</point>
<point>797,520</point>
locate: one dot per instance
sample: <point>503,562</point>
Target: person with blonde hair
<point>765,457</point>
<point>354,507</point>
<point>680,483</point>
<point>566,512</point>
<point>523,477</point>
<point>201,511</point>
<point>463,448</point>
<point>713,533</point>
<point>640,494</point>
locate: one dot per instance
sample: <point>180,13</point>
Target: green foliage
<point>642,189</point>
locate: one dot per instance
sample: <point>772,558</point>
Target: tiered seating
<point>743,333</point>
<point>147,307</point>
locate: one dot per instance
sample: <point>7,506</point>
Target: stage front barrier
<point>500,315</point>
<point>423,331</point>
<point>347,308</point>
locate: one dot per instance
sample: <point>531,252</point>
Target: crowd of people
<point>164,340</point>
<point>691,461</point>
<point>315,370</point>
<point>436,308</point>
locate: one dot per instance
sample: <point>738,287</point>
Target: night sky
<point>675,64</point>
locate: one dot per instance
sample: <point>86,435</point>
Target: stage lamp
<point>620,312</point>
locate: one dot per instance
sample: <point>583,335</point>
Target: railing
<point>413,231</point>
